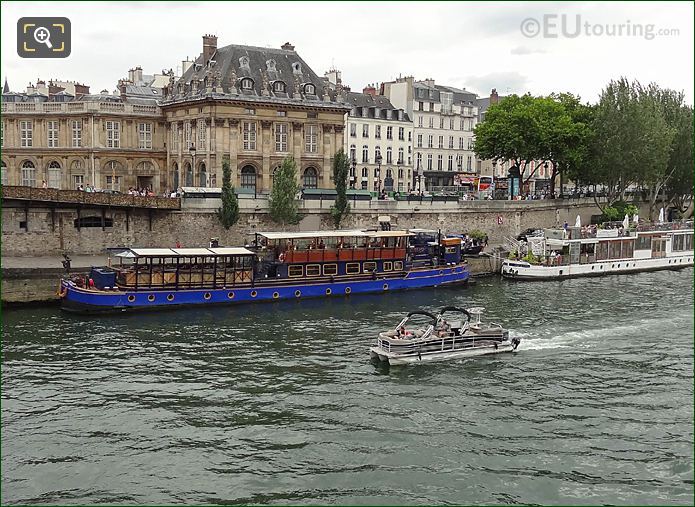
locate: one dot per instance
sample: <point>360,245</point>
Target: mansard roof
<point>227,75</point>
<point>366,103</point>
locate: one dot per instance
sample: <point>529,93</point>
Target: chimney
<point>137,75</point>
<point>369,90</point>
<point>121,88</point>
<point>287,47</point>
<point>131,75</point>
<point>494,98</point>
<point>429,82</point>
<point>185,65</point>
<point>209,47</point>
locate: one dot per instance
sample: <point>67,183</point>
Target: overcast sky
<point>476,45</point>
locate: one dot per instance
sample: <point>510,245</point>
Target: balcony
<point>80,107</point>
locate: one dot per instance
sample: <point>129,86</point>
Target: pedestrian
<point>44,184</point>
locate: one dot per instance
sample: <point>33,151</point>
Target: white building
<point>379,139</point>
<point>443,121</point>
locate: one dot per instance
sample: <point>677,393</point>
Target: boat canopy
<point>347,233</point>
<point>188,252</point>
<point>422,312</point>
<point>455,309</point>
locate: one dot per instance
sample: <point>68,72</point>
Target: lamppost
<point>192,150</point>
<point>377,159</point>
<point>353,174</point>
<point>419,176</point>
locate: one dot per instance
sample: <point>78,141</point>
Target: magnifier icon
<point>43,36</point>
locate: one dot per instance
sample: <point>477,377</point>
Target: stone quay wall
<point>42,231</point>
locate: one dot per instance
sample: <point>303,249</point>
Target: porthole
<point>276,295</point>
<point>386,286</point>
<point>328,292</point>
<point>601,266</point>
<point>131,299</point>
<point>441,272</point>
<point>592,268</point>
<point>230,295</point>
<point>348,290</point>
<point>618,265</point>
<point>170,297</point>
<point>254,293</point>
<point>612,265</point>
<point>206,296</point>
<point>297,293</point>
<point>150,298</point>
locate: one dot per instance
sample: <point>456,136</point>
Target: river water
<point>279,403</point>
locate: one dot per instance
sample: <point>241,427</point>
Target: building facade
<point>254,107</point>
<point>379,139</point>
<point>443,121</point>
<point>108,141</point>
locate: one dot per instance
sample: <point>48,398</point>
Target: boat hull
<point>82,300</point>
<point>395,359</point>
<point>523,271</point>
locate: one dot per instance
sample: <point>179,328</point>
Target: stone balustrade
<point>88,198</point>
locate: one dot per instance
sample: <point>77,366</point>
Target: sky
<point>515,47</point>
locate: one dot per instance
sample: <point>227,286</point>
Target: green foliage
<point>229,212</point>
<point>530,258</point>
<point>283,206</point>
<point>618,210</point>
<point>477,234</point>
<point>341,171</point>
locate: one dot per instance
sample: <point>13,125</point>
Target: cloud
<point>504,82</point>
<point>525,50</point>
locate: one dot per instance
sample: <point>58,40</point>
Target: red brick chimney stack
<point>494,98</point>
<point>209,47</point>
<point>369,90</point>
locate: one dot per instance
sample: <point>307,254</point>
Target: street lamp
<point>192,150</point>
<point>353,174</point>
<point>419,176</point>
<point>377,159</point>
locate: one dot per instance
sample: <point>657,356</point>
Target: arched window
<point>247,83</point>
<point>111,173</point>
<point>309,89</point>
<point>365,154</point>
<point>353,152</point>
<point>3,173</point>
<point>389,173</point>
<point>175,176</point>
<point>279,86</point>
<point>54,174</point>
<point>311,179</point>
<point>28,174</point>
<point>202,176</point>
<point>389,155</point>
<point>248,177</point>
<point>365,172</point>
<point>377,154</point>
<point>188,175</point>
<point>400,155</point>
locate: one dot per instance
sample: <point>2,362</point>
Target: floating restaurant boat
<point>438,339</point>
<point>280,265</point>
<point>581,251</point>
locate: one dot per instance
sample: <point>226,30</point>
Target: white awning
<point>192,251</point>
<point>153,252</point>
<point>231,251</point>
<point>314,234</point>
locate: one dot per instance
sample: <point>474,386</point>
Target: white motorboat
<point>423,337</point>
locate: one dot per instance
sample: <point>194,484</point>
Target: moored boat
<point>588,251</point>
<point>280,265</point>
<point>438,339</point>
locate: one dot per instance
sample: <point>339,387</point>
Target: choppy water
<point>279,403</point>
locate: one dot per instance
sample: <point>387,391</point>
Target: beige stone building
<point>254,106</point>
<point>109,141</point>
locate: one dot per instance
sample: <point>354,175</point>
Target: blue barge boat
<point>280,265</point>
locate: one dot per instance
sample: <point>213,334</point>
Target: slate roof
<point>433,93</point>
<point>360,101</point>
<point>264,66</point>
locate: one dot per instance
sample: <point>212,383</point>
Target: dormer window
<point>244,62</point>
<point>309,89</point>
<point>297,68</point>
<point>279,87</point>
<point>270,65</point>
<point>247,84</point>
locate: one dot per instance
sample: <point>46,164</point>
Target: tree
<point>510,131</point>
<point>229,212</point>
<point>679,188</point>
<point>283,204</point>
<point>341,171</point>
